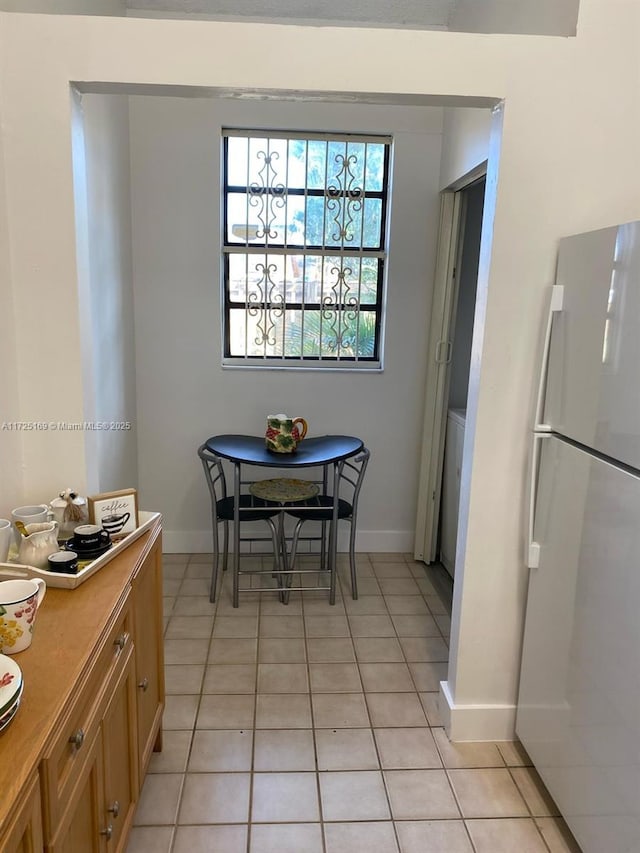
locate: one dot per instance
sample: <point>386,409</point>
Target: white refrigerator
<point>579,700</point>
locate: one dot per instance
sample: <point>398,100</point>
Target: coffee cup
<point>63,561</point>
<point>19,603</point>
<point>114,523</point>
<point>6,535</point>
<point>90,536</point>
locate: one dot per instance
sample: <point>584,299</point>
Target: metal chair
<point>351,472</point>
<point>222,510</point>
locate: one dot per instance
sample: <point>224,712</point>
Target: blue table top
<point>320,450</point>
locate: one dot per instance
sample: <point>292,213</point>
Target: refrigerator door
<point>579,703</point>
<point>593,384</point>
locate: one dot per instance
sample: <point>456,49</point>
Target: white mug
<point>19,603</point>
<point>6,534</point>
<point>36,514</point>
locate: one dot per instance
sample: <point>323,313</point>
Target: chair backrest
<point>214,473</point>
<point>352,470</point>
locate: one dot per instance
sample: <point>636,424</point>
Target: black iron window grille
<point>304,248</point>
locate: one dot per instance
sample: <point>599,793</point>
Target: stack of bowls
<point>11,686</point>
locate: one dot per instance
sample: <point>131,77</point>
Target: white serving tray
<point>146,520</point>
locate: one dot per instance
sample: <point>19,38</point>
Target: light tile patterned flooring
<point>315,729</point>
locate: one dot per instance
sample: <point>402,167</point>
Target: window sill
<point>374,367</point>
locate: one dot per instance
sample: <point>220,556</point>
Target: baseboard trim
<point>383,541</point>
<point>476,722</point>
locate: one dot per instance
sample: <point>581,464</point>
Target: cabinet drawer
<point>65,760</point>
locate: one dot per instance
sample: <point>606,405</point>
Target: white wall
<point>11,484</point>
<point>184,396</point>
<point>465,142</point>
<point>106,294</point>
<point>567,159</point>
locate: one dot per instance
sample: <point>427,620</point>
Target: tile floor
<point>315,729</point>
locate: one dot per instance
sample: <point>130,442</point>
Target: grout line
<point>459,806</point>
<point>313,726</point>
<point>255,723</point>
<point>532,817</point>
<point>193,729</point>
<point>373,737</point>
<point>343,593</point>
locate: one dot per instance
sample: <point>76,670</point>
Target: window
<point>304,248</point>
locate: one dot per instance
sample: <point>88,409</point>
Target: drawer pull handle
<point>115,808</point>
<point>108,832</point>
<point>144,685</point>
<point>77,738</point>
<point>121,641</point>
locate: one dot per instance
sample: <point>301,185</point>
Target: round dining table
<point>323,451</point>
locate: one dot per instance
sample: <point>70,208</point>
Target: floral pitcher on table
<point>284,433</point>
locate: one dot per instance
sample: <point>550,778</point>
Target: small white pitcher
<point>42,541</point>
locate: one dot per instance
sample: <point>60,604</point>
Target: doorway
<point>451,333</point>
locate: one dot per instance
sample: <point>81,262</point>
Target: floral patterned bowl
<point>10,683</point>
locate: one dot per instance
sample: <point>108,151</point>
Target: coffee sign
<point>115,512</point>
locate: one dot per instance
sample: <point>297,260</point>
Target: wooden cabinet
<point>147,590</point>
<point>24,831</point>
<point>120,748</point>
<point>64,758</point>
<point>76,789</point>
<point>80,827</point>
<point>99,812</point>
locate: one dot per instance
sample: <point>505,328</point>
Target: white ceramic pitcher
<point>34,549</point>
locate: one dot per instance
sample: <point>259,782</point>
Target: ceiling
<point>530,17</point>
<point>525,17</point>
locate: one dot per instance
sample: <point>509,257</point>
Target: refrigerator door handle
<point>532,557</point>
<point>555,305</point>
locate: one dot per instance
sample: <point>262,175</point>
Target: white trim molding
<point>376,541</point>
<point>476,722</point>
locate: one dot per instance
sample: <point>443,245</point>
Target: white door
<point>451,488</point>
<point>439,357</point>
<point>579,702</point>
<point>456,276</point>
